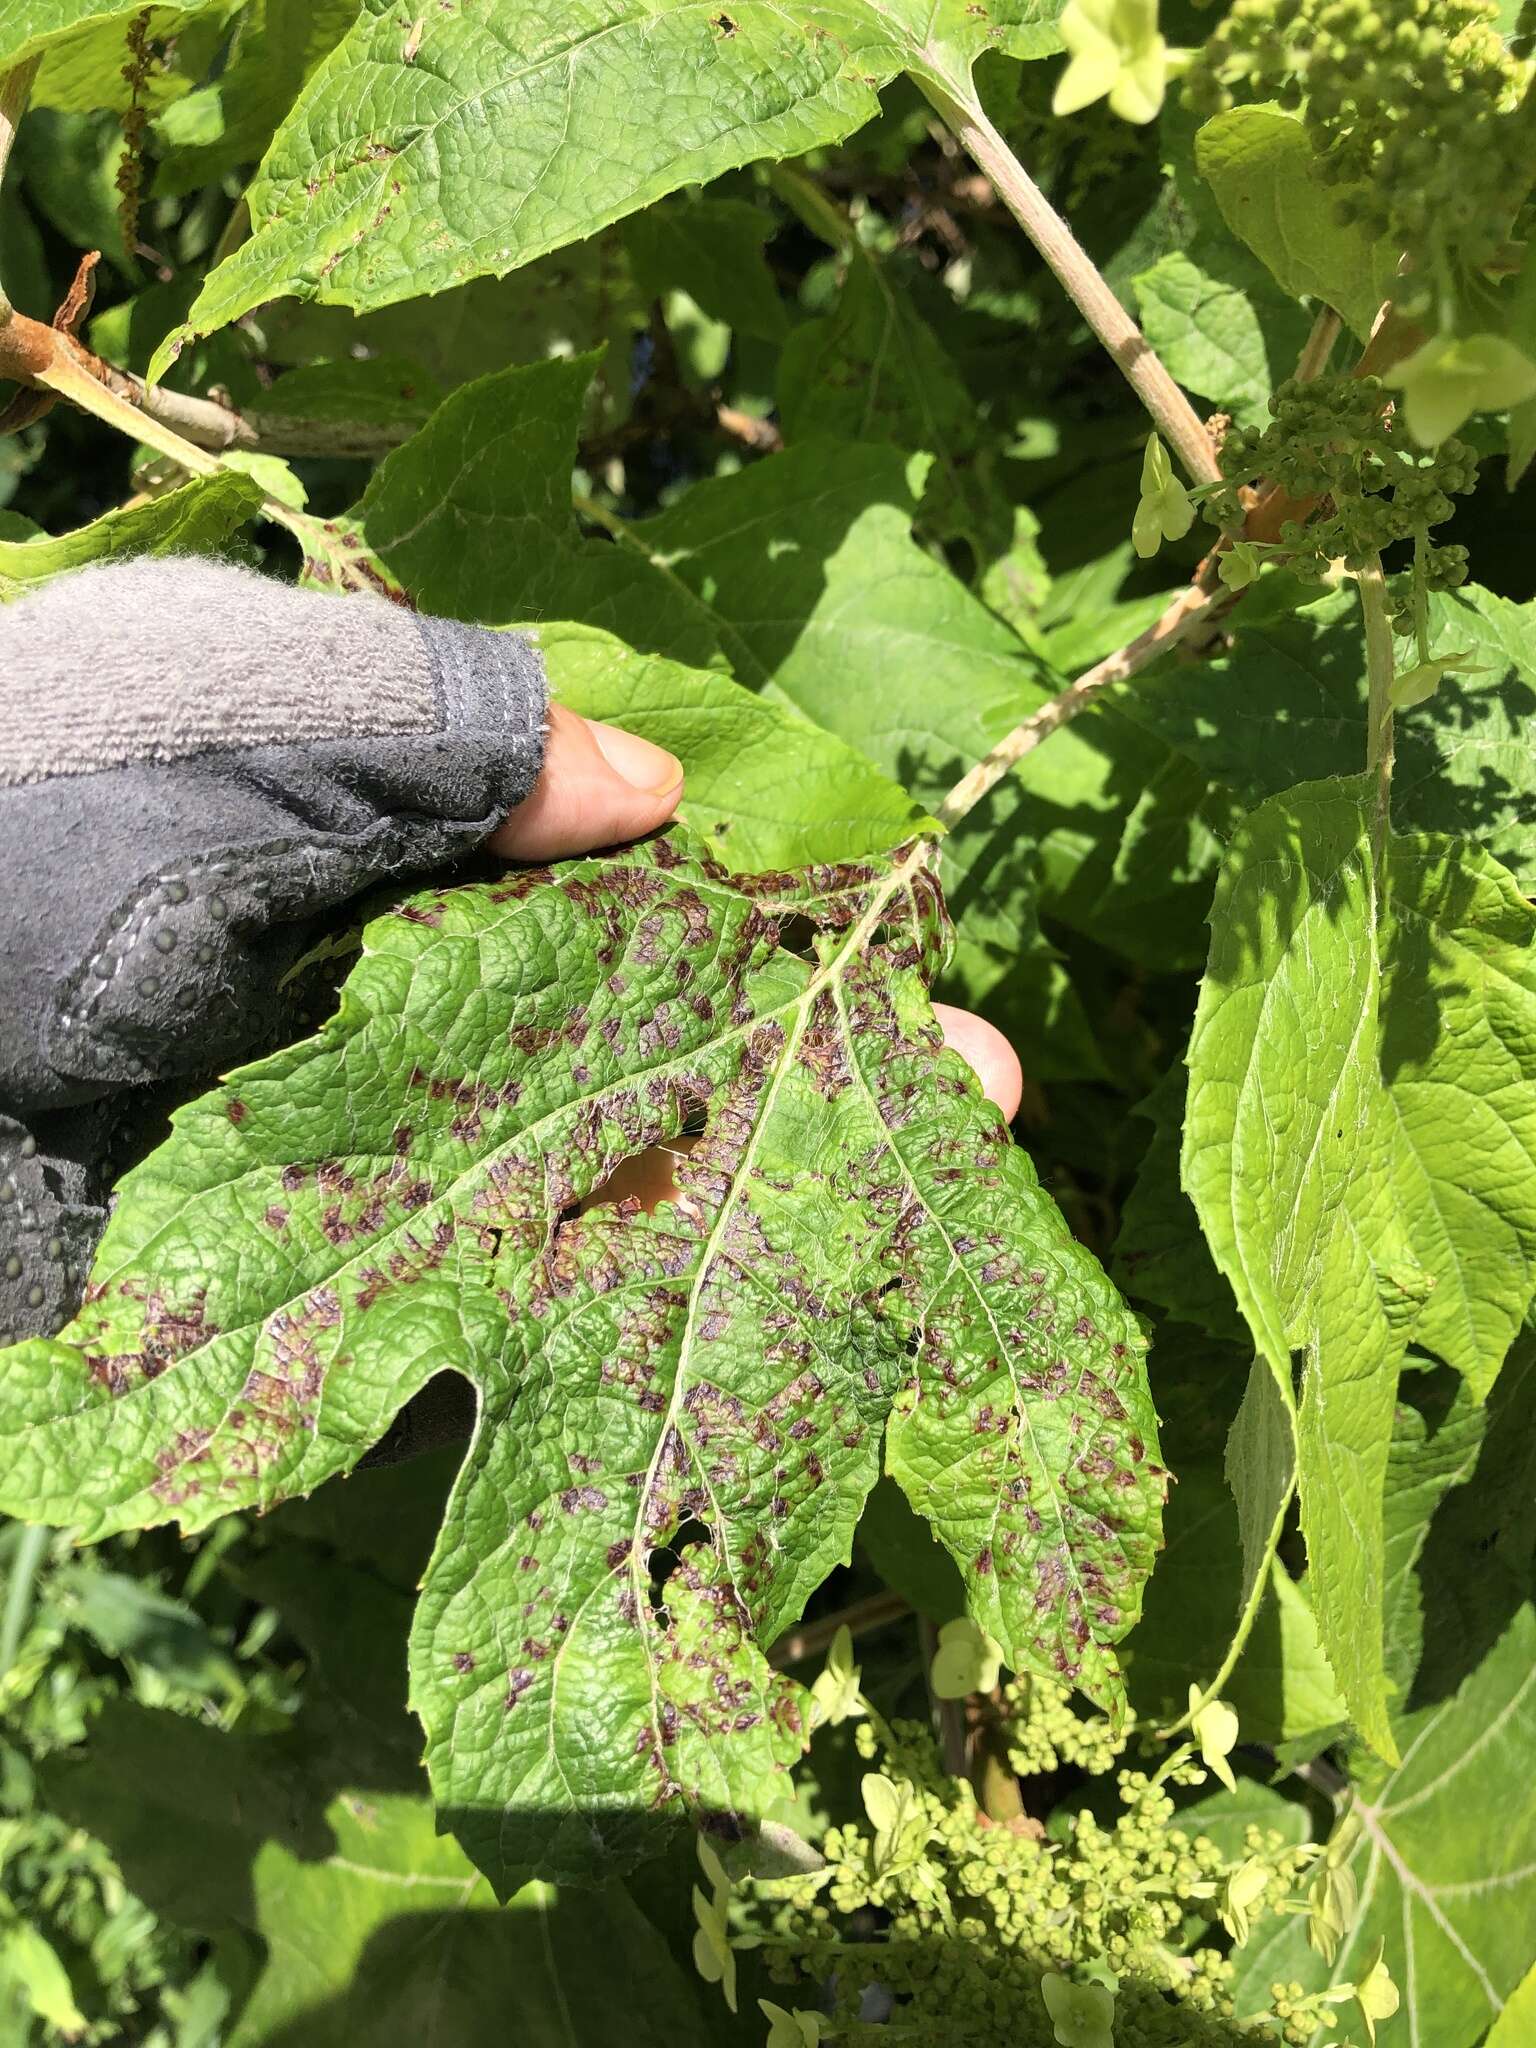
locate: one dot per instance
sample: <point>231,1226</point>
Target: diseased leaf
<point>1445,1863</point>
<point>230,120</point>
<point>853,1238</point>
<point>196,518</point>
<point>1360,1145</point>
<point>801,577</point>
<point>1463,759</point>
<point>510,137</point>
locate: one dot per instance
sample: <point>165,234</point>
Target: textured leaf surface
<point>195,519</point>
<point>1464,762</point>
<point>853,1238</point>
<point>1209,334</point>
<point>1265,174</point>
<point>765,787</point>
<point>414,162</point>
<point>800,576</point>
<point>374,1926</point>
<point>1360,1145</point>
<point>1446,1863</point>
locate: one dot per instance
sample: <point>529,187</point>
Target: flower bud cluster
<point>1414,101</point>
<point>1333,440</point>
<point>949,1923</point>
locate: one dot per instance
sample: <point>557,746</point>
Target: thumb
<point>599,786</point>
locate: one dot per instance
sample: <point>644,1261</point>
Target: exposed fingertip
<point>643,765</point>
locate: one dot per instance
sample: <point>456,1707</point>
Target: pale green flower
<point>835,1695</point>
<point>1116,49</point>
<point>901,1826</point>
<point>1081,2014</point>
<point>1376,1994</point>
<point>1243,1890</point>
<point>1215,1729</point>
<point>1238,565</point>
<point>1418,684</point>
<point>795,2029</point>
<point>967,1660</point>
<point>1165,511</point>
<point>1451,377</point>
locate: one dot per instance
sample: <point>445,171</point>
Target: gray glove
<point>197,766</point>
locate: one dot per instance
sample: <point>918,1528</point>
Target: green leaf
<point>414,162</point>
<point>1269,185</point>
<point>397,1197</point>
<point>1464,763</point>
<point>230,121</point>
<point>84,45</point>
<point>765,787</point>
<point>1338,1019</point>
<point>1208,333</point>
<point>1161,1255</point>
<point>380,391</point>
<point>375,1926</point>
<point>874,370</point>
<point>32,1963</point>
<point>1261,1468</point>
<point>568,304</point>
<point>197,518</point>
<point>713,250</point>
<point>132,1620</point>
<point>900,1546</point>
<point>1445,1863</point>
<point>1517,2022</point>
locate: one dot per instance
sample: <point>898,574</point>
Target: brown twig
<point>814,1638</point>
<point>1188,609</point>
<point>31,352</point>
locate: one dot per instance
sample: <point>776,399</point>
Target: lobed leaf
<point>1360,1146</point>
<point>680,1414</point>
<point>1445,1863</point>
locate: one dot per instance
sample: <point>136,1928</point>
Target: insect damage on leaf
<point>680,1413</point>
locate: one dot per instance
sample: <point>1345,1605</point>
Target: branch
<point>1186,611</point>
<point>814,1638</point>
<point>1173,415</point>
<point>38,356</point>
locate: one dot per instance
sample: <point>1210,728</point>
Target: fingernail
<point>643,767</point>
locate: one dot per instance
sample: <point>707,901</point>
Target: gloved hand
<point>198,766</point>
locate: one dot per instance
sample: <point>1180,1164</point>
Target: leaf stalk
<point>1380,670</point>
<point>1188,609</point>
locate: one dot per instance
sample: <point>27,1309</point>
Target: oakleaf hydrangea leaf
<point>679,1414</point>
<point>1360,1145</point>
<point>413,161</point>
